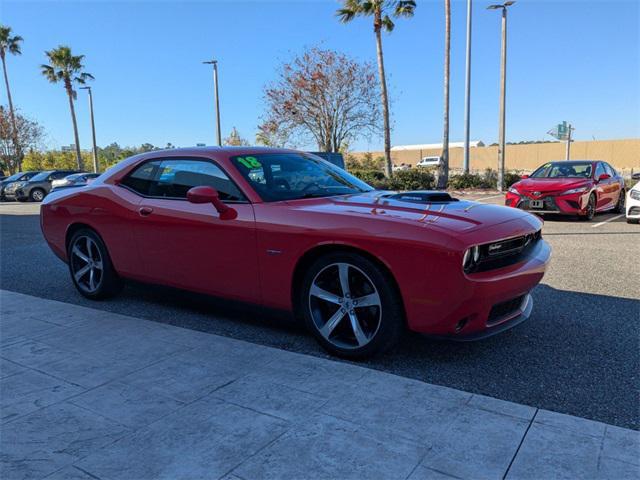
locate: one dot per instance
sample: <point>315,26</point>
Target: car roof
<point>572,162</point>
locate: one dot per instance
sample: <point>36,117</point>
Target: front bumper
<point>573,204</point>
<point>20,194</point>
<point>495,300</point>
<point>632,208</point>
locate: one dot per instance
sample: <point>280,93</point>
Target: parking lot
<point>578,353</point>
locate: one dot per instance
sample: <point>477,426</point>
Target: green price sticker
<point>250,162</point>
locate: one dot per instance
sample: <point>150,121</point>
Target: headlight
<point>471,257</point>
<point>514,190</point>
<point>635,194</point>
<point>576,190</point>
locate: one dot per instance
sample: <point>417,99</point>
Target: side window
<point>610,170</point>
<point>59,175</point>
<point>599,170</point>
<point>141,179</point>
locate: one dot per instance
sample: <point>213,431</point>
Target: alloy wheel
<point>37,195</point>
<point>345,306</point>
<point>86,264</point>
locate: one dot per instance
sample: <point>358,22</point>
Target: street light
<point>217,101</point>
<point>93,130</point>
<point>503,87</point>
<point>467,92</point>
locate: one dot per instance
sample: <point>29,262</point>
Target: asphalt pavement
<point>578,354</point>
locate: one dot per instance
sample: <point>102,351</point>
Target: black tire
<point>591,209</point>
<point>632,221</point>
<point>390,314</point>
<point>21,199</point>
<point>620,205</point>
<point>107,282</point>
<point>37,195</point>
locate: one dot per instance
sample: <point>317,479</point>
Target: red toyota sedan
<point>579,188</point>
<point>290,231</point>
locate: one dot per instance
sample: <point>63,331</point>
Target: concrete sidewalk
<point>87,394</point>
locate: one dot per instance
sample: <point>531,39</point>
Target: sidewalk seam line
<point>515,454</point>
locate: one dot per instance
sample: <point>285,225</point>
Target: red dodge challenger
<point>579,188</point>
<point>290,231</point>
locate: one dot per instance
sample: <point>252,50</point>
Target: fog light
<point>461,324</point>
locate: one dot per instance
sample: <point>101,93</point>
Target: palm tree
<point>381,11</point>
<point>12,45</point>
<point>67,68</point>
<point>443,168</point>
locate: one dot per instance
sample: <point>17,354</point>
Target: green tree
<point>68,69</point>
<point>10,44</point>
<point>381,11</point>
<point>443,168</point>
<point>235,140</point>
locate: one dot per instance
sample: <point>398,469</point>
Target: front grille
<point>506,252</point>
<point>549,203</point>
<point>504,309</point>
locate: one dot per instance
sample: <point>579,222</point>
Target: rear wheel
<point>351,305</point>
<point>590,211</point>
<point>620,205</point>
<point>90,266</point>
<point>37,195</point>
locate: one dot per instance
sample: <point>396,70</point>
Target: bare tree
<point>273,134</point>
<point>27,134</point>
<point>326,96</point>
<point>443,168</point>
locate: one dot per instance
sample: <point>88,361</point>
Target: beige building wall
<point>624,155</point>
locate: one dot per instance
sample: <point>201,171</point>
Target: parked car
<point>74,180</point>
<point>580,187</point>
<point>633,204</point>
<point>429,162</point>
<point>40,185</point>
<point>9,185</point>
<point>401,167</point>
<point>287,230</point>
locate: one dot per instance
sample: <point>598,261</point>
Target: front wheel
<point>351,305</point>
<point>37,195</point>
<point>590,211</point>
<point>90,266</point>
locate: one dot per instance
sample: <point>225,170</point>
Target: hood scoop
<point>422,197</point>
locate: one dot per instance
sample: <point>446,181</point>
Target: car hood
<point>550,185</point>
<point>453,216</point>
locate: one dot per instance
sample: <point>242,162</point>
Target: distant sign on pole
<point>560,131</point>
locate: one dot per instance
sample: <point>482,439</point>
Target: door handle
<point>145,211</point>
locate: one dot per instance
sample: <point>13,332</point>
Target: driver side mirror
<point>204,194</point>
<point>604,176</point>
<point>522,177</point>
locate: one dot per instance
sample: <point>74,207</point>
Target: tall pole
<point>568,155</point>
<point>503,93</point>
<point>93,132</point>
<point>215,83</point>
<point>216,99</point>
<point>467,96</point>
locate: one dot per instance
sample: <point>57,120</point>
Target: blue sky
<point>568,60</point>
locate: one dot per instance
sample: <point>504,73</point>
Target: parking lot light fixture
<point>503,87</point>
<point>217,100</point>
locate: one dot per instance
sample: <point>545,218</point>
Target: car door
<point>615,183</point>
<point>603,188</point>
<point>188,245</point>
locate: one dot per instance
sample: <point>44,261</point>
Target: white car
<point>633,204</point>
<point>429,162</point>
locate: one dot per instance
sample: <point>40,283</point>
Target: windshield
<point>564,169</point>
<point>41,176</point>
<point>290,176</point>
<point>14,177</point>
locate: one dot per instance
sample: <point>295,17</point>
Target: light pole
<point>93,129</point>
<point>503,91</point>
<point>467,93</point>
<point>217,100</point>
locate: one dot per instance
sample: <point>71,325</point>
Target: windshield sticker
<point>250,162</point>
